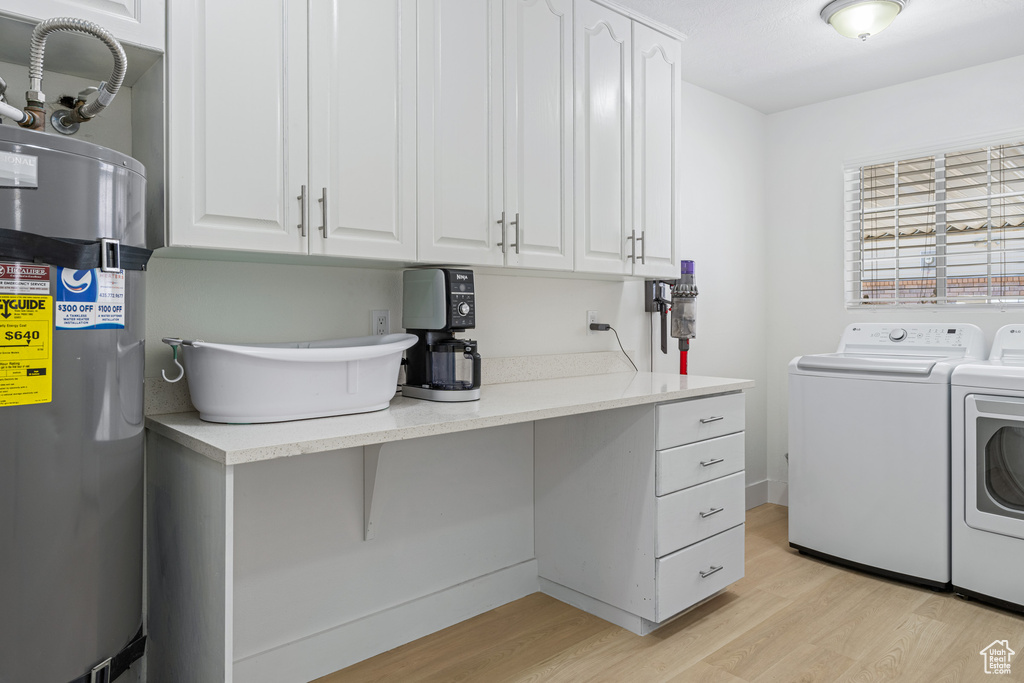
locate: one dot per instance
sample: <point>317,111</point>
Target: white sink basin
<point>243,383</point>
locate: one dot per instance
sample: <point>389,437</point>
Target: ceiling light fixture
<point>861,18</point>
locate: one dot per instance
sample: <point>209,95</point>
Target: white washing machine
<point>869,448</point>
<point>988,474</point>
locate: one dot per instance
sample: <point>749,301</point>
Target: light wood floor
<point>791,618</point>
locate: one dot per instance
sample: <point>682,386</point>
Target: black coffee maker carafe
<point>436,303</point>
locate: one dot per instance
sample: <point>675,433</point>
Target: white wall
<point>524,315</point>
<point>248,302</point>
<point>724,233</point>
<point>807,148</point>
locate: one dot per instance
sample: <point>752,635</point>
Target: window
<point>941,229</point>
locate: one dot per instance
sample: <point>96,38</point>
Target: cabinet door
<point>656,131</point>
<point>538,132</point>
<point>237,131</point>
<point>459,131</point>
<point>139,22</point>
<point>362,67</point>
<point>604,209</point>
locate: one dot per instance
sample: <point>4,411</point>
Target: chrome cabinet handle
<point>713,461</point>
<point>302,211</point>
<point>632,248</point>
<point>711,571</point>
<point>323,209</point>
<point>643,246</point>
<point>706,420</point>
<point>516,223</point>
<point>712,511</point>
<point>501,222</point>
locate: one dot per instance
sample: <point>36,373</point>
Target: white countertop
<point>406,418</point>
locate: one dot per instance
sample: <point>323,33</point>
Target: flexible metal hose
<point>113,84</point>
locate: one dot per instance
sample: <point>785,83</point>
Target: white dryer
<point>988,474</point>
<point>869,448</point>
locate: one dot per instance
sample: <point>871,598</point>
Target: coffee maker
<point>436,303</point>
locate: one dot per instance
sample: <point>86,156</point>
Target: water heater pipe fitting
<point>35,97</point>
<point>8,111</point>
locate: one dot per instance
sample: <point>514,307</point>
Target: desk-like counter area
<point>282,552</point>
<point>499,404</point>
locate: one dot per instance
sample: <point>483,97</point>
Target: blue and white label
<point>89,300</point>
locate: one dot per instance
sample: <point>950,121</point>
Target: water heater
<point>72,321</point>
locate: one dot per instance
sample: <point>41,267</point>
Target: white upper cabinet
<point>294,133</point>
<point>604,160</point>
<point>362,138</point>
<point>530,133</point>
<point>656,144</point>
<point>538,133</point>
<point>139,22</point>
<point>495,132</point>
<point>628,115</point>
<point>237,127</point>
<point>460,153</point>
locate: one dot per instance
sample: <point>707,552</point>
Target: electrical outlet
<point>380,322</point>
<point>591,318</point>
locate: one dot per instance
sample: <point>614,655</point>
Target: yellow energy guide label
<point>26,349</point>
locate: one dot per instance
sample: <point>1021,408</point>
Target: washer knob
<point>898,335</point>
<point>463,308</point>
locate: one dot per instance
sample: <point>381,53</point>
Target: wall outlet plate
<point>380,322</point>
<point>591,318</point>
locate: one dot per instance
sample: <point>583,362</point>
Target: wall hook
<point>174,344</point>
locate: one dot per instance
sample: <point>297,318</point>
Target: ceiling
<point>774,55</point>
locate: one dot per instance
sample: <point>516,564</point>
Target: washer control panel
<point>958,339</point>
<point>916,335</point>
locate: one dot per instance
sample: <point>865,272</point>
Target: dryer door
<point>994,464</point>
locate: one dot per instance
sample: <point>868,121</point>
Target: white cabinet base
<point>609,613</point>
<point>605,543</point>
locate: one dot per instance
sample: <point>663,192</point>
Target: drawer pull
<point>706,420</point>
<point>712,511</point>
<point>711,571</point>
<point>713,461</point>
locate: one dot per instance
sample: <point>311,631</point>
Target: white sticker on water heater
<point>89,300</point>
<point>18,170</point>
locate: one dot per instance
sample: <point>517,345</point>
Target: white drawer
<point>686,577</point>
<point>684,422</point>
<point>689,516</point>
<point>696,463</point>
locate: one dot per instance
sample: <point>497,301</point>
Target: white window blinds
<point>942,229</point>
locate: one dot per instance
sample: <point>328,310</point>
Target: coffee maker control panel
<point>462,299</point>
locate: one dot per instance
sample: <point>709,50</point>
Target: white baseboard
<point>328,651</point>
<point>757,494</point>
<point>778,492</point>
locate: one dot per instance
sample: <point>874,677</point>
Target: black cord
<point>635,369</point>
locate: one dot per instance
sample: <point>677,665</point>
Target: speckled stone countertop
<point>407,418</point>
